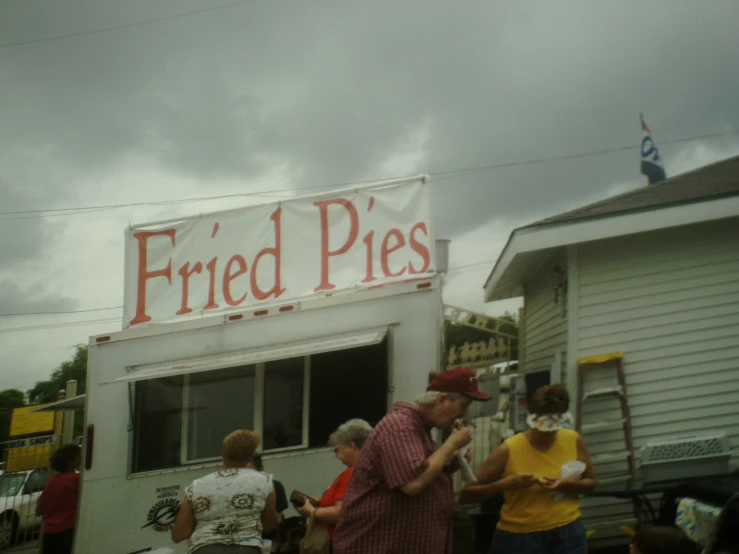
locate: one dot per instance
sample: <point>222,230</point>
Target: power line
<point>23,214</point>
<point>62,312</point>
<point>448,173</point>
<point>126,25</point>
<point>732,131</point>
<point>468,267</point>
<point>65,324</point>
<point>84,210</point>
<point>458,269</point>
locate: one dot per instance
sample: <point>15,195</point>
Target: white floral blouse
<point>228,507</point>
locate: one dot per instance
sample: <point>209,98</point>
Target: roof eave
<point>68,404</point>
<point>500,263</point>
<point>545,237</point>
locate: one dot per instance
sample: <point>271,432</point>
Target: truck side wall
<point>114,506</point>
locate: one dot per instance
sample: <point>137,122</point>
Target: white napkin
<point>570,470</point>
<point>467,473</point>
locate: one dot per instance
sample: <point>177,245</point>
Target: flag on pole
<point>651,162</point>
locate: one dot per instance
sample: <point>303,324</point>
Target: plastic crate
<point>685,456</point>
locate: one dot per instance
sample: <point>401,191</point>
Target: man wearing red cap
<point>400,497</point>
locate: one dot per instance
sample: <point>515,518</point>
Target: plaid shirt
<point>376,517</point>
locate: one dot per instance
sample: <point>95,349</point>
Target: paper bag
<point>316,540</point>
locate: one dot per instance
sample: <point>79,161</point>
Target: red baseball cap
<point>459,379</point>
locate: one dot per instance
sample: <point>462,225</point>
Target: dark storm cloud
<point>328,91</point>
<point>328,88</point>
<point>24,238</point>
<point>15,300</point>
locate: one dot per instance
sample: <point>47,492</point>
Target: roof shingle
<point>711,182</point>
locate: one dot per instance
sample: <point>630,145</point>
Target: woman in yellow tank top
<point>541,511</point>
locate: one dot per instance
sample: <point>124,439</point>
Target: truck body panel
<point>127,508</point>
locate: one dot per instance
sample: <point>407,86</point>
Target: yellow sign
<point>28,457</point>
<point>23,422</point>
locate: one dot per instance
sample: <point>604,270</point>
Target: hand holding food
<point>552,483</point>
<point>461,438</point>
<point>519,482</point>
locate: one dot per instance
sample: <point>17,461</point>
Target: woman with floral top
<point>227,511</point>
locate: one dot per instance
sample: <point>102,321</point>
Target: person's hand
<point>460,438</point>
<point>519,482</point>
<point>553,483</point>
<point>468,455</point>
<point>307,509</point>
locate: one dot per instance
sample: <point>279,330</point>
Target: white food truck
<point>295,317</point>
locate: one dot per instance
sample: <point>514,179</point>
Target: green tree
<point>9,400</point>
<point>75,369</point>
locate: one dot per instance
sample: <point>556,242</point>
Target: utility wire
<point>126,25</point>
<point>58,325</point>
<point>448,173</point>
<point>458,269</point>
<point>23,214</point>
<point>66,312</point>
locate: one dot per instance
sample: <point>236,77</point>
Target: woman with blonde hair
<point>541,509</point>
<point>226,512</point>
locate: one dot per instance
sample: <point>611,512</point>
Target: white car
<point>19,492</point>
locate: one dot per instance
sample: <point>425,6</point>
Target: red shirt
<point>376,517</point>
<point>335,493</point>
<point>58,502</point>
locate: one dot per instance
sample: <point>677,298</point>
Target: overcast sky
<point>283,94</point>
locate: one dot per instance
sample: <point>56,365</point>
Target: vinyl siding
<point>668,300</point>
<point>545,323</point>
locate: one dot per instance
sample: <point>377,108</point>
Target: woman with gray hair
<point>346,442</point>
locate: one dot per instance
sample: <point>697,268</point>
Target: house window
<point>293,403</point>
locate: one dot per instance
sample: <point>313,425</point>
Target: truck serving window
<point>284,382</point>
<point>216,403</point>
<point>158,424</point>
<point>293,403</point>
<point>347,384</point>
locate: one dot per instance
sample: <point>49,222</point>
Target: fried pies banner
<point>278,252</point>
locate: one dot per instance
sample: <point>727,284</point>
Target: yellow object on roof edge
<point>601,358</point>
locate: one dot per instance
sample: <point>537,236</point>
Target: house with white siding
<point>653,274</point>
